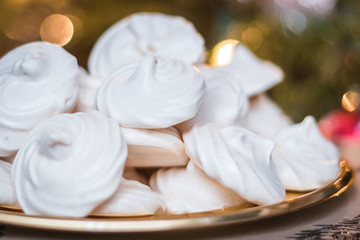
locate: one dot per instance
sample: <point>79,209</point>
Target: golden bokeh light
<point>252,37</point>
<point>57,29</point>
<point>222,53</point>
<point>350,101</point>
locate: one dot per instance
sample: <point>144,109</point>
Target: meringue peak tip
<point>54,145</point>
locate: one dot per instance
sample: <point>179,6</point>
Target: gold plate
<point>295,201</point>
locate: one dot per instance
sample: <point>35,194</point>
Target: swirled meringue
<point>189,190</point>
<point>142,34</point>
<point>132,198</point>
<point>238,159</point>
<point>265,118</point>
<point>154,147</point>
<point>37,80</point>
<point>88,86</point>
<point>69,165</point>
<point>303,158</point>
<point>7,192</point>
<point>158,92</point>
<point>224,102</point>
<point>255,75</point>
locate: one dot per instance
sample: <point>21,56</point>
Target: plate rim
<point>162,223</point>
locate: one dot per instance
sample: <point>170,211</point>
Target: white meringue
<point>303,158</point>
<point>238,159</point>
<point>7,192</point>
<point>69,165</point>
<point>255,75</point>
<point>189,190</point>
<point>224,102</point>
<point>154,147</point>
<point>156,93</point>
<point>265,118</point>
<point>88,87</point>
<point>37,80</point>
<point>132,198</point>
<point>145,34</point>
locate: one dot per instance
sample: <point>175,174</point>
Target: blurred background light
<point>351,101</point>
<point>223,52</point>
<point>57,29</point>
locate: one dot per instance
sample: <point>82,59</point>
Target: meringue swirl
<point>189,190</point>
<point>7,192</point>
<point>255,75</point>
<point>142,34</point>
<point>158,92</point>
<point>265,118</point>
<point>132,198</point>
<point>224,102</point>
<point>303,158</point>
<point>238,159</point>
<point>37,80</point>
<point>69,165</point>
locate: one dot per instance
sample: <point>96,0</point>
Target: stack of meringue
<point>74,143</point>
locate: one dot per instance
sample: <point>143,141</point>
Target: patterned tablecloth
<point>337,218</point>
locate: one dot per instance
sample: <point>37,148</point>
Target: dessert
<point>153,104</point>
<point>224,102</point>
<point>88,87</point>
<point>69,165</point>
<point>37,80</point>
<point>7,192</point>
<point>238,159</point>
<point>132,198</point>
<point>303,158</point>
<point>142,34</point>
<point>154,147</point>
<point>255,75</point>
<point>265,118</point>
<point>158,92</point>
<point>189,190</point>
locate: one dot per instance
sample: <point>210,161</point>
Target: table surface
<point>337,218</point>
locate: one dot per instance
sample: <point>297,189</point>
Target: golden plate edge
<point>182,221</point>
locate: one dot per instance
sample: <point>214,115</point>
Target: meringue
<point>189,190</point>
<point>37,80</point>
<point>224,102</point>
<point>154,147</point>
<point>303,158</point>
<point>238,159</point>
<point>132,198</point>
<point>88,86</point>
<point>142,34</point>
<point>255,75</point>
<point>7,192</point>
<point>69,165</point>
<point>158,92</point>
<point>265,118</point>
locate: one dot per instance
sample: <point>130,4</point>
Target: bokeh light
<point>223,52</point>
<point>350,101</point>
<point>252,37</point>
<point>57,29</point>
